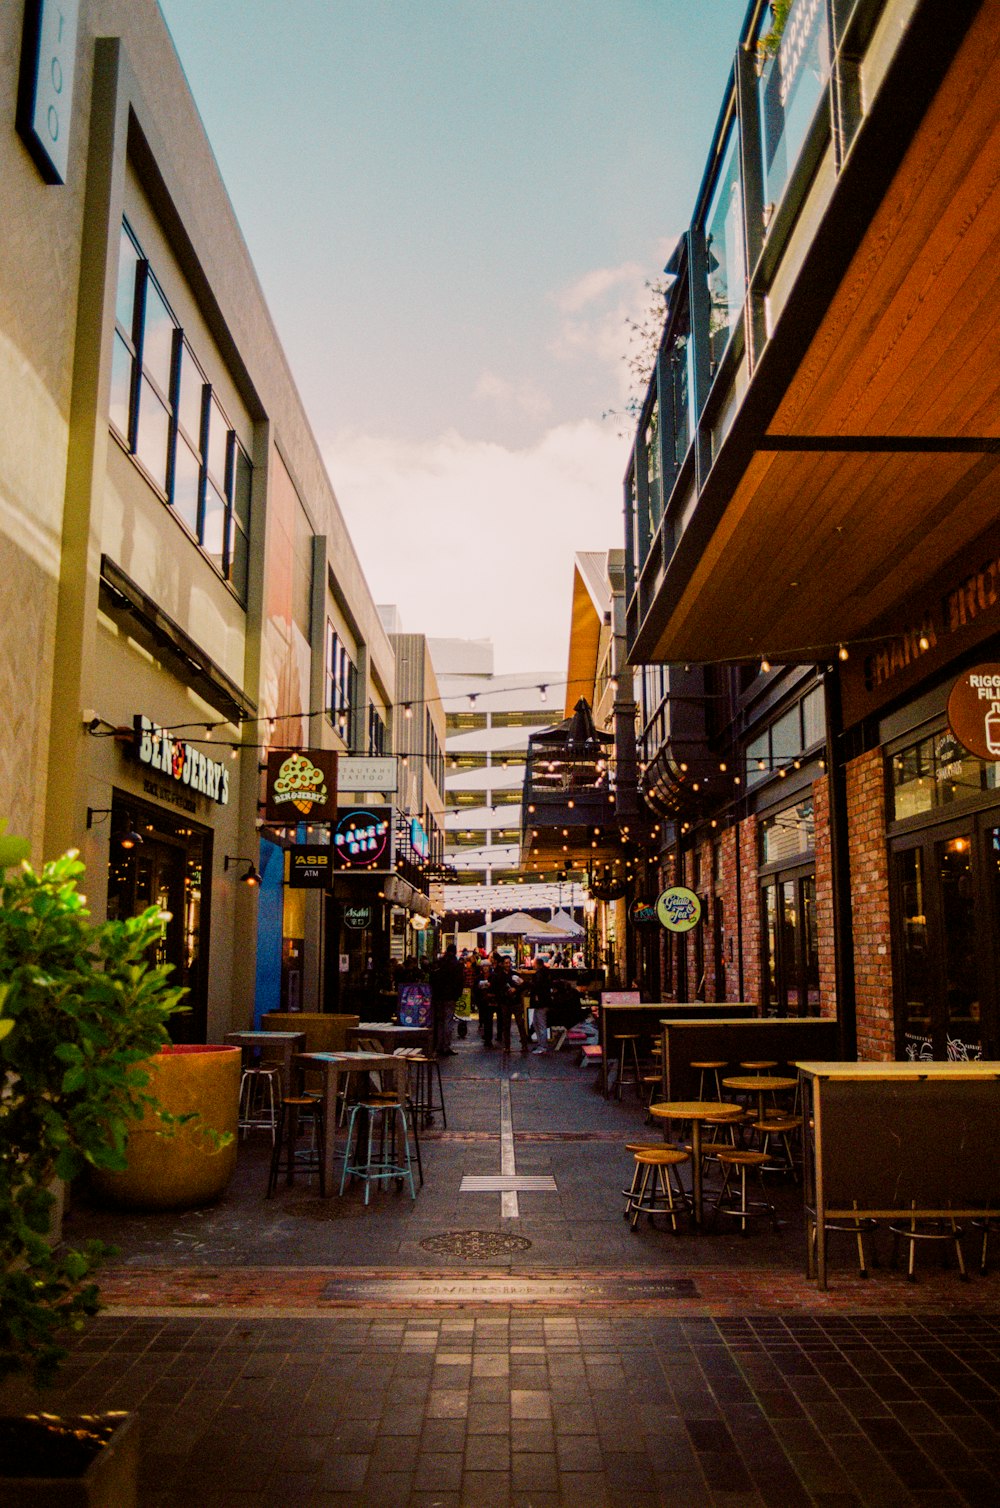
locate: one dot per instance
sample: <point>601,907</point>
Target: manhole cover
<point>475,1244</point>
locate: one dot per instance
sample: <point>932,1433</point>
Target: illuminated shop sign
<point>362,838</point>
<point>309,868</point>
<point>301,783</point>
<point>419,841</point>
<point>180,761</point>
<point>679,909</point>
<point>974,711</point>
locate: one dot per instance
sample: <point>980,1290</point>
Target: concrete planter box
<point>182,1168</point>
<point>110,1481</point>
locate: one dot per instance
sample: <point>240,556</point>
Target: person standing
<point>485,1003</point>
<point>447,983</point>
<point>541,999</point>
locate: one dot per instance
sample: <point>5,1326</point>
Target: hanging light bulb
<point>407,709</point>
<point>543,693</point>
<point>765,666</point>
<point>923,642</point>
<point>843,652</point>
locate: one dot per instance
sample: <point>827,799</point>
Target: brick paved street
<point>298,1351</point>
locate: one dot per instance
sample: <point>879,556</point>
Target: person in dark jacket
<point>447,983</point>
<point>541,999</point>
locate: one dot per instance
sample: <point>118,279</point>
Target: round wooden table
<point>759,1084</point>
<point>695,1111</point>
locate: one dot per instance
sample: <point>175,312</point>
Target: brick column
<point>752,983</point>
<point>870,915</point>
<point>824,900</point>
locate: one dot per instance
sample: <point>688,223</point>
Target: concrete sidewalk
<point>317,1352</point>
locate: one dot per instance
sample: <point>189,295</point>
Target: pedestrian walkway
<point>460,1351</point>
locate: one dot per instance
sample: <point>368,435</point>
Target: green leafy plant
<point>769,41</point>
<point>81,1009</point>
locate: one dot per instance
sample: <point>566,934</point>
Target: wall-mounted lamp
<point>251,877</point>
<point>128,839</point>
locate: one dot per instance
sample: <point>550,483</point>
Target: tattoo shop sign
<point>180,761</point>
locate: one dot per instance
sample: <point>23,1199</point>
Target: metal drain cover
<point>476,1244</point>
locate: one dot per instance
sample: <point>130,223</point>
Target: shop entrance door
<point>166,870</point>
<point>946,884</point>
<point>790,945</point>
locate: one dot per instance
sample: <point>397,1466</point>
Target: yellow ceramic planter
<point>182,1168</point>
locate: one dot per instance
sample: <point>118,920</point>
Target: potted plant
<point>81,1009</point>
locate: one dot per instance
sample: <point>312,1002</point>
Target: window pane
<point>916,983</point>
<point>242,476</point>
<point>770,920</point>
<point>789,834</point>
<point>157,338</point>
<point>654,497</point>
<point>187,485</point>
<point>786,737</point>
<point>121,387</point>
<point>128,266</point>
<point>791,85</point>
<point>189,399</point>
<point>813,719</point>
<point>724,247</point>
<point>218,439</point>
<point>913,780</point>
<point>958,773</point>
<point>239,554</point>
<point>758,755</point>
<point>214,525</point>
<point>153,434</point>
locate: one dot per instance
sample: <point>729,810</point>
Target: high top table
<point>695,1111</point>
<point>391,1034</point>
<point>286,1043</point>
<point>332,1065</point>
<point>760,1084</point>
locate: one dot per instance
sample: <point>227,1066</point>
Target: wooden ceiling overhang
<point>867,450</point>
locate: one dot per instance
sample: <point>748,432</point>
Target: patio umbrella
<point>565,925</point>
<point>519,924</point>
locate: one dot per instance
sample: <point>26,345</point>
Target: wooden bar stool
<point>628,1060</point>
<point>783,1128</point>
<point>630,1193</point>
<point>927,1230</point>
<point>296,1112</point>
<point>740,1158</point>
<point>658,1164</point>
<point>711,1066</point>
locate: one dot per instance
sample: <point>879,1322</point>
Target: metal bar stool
<point>782,1127</point>
<point>659,1164</point>
<point>630,1193</point>
<point>985,1223</point>
<point>296,1109</point>
<point>628,1058</point>
<point>927,1230</point>
<point>426,1068</point>
<point>732,1158</point>
<point>858,1228</point>
<point>258,1102</point>
<point>385,1165</point>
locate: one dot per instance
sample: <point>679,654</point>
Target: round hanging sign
<point>678,909</point>
<point>974,711</point>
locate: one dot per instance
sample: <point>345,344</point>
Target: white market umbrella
<point>519,924</point>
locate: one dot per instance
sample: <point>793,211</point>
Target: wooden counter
<point>885,1140</point>
<point>733,1041</point>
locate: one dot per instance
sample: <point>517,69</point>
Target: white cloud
<point>595,284</point>
<point>475,539</point>
<point>522,397</point>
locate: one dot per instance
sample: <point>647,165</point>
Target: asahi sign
<point>301,783</point>
<point>180,761</point>
<point>974,711</point>
<point>358,917</point>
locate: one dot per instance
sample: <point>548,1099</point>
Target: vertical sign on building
<point>45,92</point>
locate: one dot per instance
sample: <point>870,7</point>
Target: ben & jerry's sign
<point>974,711</point>
<point>301,783</point>
<point>180,761</point>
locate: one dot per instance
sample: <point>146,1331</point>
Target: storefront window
<point>789,834</point>
<point>936,772</point>
<point>654,482</point>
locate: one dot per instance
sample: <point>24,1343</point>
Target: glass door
<point>947,889</point>
<point>790,946</point>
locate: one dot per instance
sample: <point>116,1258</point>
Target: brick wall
<point>728,842</point>
<point>824,900</point>
<point>870,917</point>
<point>752,987</point>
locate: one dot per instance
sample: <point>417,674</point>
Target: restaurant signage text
<point>679,909</point>
<point>642,914</point>
<point>181,761</point>
<point>45,100</point>
<point>362,838</point>
<point>974,711</point>
<point>301,783</point>
<point>309,867</point>
<point>358,917</point>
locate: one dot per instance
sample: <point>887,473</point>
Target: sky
<point>453,207</point>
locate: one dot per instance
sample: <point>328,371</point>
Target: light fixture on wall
<point>128,839</point>
<point>251,877</point>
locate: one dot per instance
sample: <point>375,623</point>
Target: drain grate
<point>475,1244</point>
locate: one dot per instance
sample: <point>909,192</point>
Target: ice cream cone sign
<point>301,782</point>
